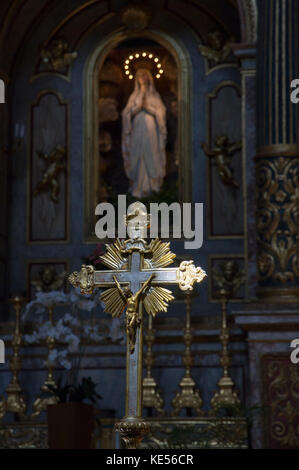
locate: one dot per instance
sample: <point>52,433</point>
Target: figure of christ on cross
<point>133,319</point>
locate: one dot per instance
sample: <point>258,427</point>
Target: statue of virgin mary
<point>144,137</point>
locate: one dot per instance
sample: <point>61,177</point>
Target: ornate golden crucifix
<point>136,276</point>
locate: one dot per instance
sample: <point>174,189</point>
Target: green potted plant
<point>71,420</point>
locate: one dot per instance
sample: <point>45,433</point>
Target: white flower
<point>33,306</point>
<point>92,332</point>
<point>56,357</point>
<point>115,332</point>
<point>63,330</point>
<point>31,338</point>
<point>73,342</point>
<point>70,319</point>
<point>46,300</point>
<point>49,299</point>
<point>74,295</point>
<point>52,357</point>
<point>85,304</point>
<point>45,330</point>
<point>66,364</point>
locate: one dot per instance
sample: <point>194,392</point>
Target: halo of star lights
<point>142,55</point>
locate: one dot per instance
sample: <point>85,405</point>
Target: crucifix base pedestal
<point>132,430</point>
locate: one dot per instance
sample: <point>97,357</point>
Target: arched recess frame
<point>91,151</point>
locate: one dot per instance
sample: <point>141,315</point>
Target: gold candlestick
<point>41,403</point>
<point>188,397</point>
<point>152,398</point>
<point>14,402</point>
<point>2,408</point>
<point>225,396</point>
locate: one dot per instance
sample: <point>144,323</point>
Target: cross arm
<point>185,276</point>
<point>88,278</point>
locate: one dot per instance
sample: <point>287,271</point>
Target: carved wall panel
<point>224,162</point>
<point>46,275</point>
<point>48,170</point>
<point>280,379</point>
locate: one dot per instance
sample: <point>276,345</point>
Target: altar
<point>192,433</point>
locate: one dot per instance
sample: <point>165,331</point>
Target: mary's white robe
<point>143,142</point>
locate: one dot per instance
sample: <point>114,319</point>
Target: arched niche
<point>91,116</point>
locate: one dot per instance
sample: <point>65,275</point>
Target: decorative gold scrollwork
<point>83,279</point>
<point>278,219</point>
<point>189,274</point>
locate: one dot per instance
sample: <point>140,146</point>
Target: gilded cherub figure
<point>55,163</point>
<point>48,280</point>
<point>230,279</point>
<point>223,152</point>
<point>56,55</point>
<point>217,49</point>
<point>133,319</point>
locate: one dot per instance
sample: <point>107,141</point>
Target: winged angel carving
<point>155,298</point>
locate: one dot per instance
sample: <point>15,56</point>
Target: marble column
<point>277,157</point>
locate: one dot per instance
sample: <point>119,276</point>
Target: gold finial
<point>41,404</point>
<point>188,397</point>
<point>189,274</point>
<point>137,220</point>
<point>14,402</point>
<point>152,398</point>
<point>83,279</point>
<point>226,395</point>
